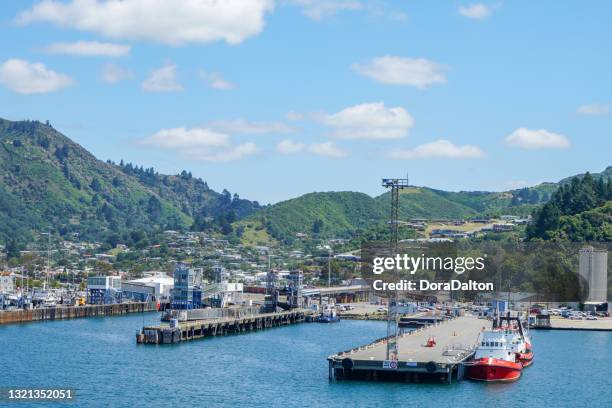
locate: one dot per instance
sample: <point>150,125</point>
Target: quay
<point>197,329</point>
<point>74,312</point>
<point>455,344</point>
<point>547,323</point>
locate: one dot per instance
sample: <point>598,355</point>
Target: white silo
<point>593,267</point>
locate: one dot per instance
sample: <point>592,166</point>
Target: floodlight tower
<point>395,185</point>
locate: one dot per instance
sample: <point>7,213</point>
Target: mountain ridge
<point>49,181</point>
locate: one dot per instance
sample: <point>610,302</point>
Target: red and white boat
<point>495,358</point>
<point>519,338</point>
<point>521,344</point>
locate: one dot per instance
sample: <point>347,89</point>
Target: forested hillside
<point>49,182</point>
<point>580,210</point>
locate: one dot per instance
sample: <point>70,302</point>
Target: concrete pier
<point>558,323</point>
<point>74,312</point>
<point>197,329</point>
<point>455,343</point>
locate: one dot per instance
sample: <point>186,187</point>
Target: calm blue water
<point>281,367</point>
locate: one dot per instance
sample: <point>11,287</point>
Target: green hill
<point>342,214</point>
<point>337,214</point>
<point>49,182</point>
<point>580,210</point>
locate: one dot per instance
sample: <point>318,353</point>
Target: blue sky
<point>272,100</point>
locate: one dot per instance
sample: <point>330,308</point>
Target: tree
<point>62,153</point>
<point>317,226</point>
<point>226,229</point>
<point>12,249</point>
<point>43,141</point>
<point>95,184</point>
<point>154,208</point>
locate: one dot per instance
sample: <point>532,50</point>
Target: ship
<point>502,352</point>
<point>495,358</point>
<point>520,340</point>
<point>328,315</point>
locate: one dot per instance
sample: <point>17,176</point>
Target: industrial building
<point>156,286</point>
<point>103,290</point>
<point>593,269</point>
<point>187,291</point>
<point>295,285</point>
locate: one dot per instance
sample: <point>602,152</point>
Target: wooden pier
<point>455,343</point>
<point>74,312</point>
<point>197,329</point>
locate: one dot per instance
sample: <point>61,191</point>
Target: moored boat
<point>329,315</point>
<point>495,359</point>
<point>519,339</point>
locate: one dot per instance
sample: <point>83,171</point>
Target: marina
<point>454,342</point>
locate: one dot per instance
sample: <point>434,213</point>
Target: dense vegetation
<point>348,214</point>
<point>49,182</point>
<point>580,210</point>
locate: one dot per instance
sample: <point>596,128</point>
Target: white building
<point>7,282</point>
<point>156,285</point>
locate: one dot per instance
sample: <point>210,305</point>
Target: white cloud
<point>594,109</point>
<point>392,70</point>
<point>293,116</point>
<point>241,126</point>
<point>370,121</point>
<point>112,73</point>
<point>289,147</point>
<point>181,138</point>
<point>328,149</point>
<point>223,155</point>
<point>537,139</point>
<point>31,78</point>
<point>439,149</point>
<point>200,144</point>
<point>89,48</point>
<point>476,11</point>
<point>319,9</point>
<point>216,81</point>
<point>162,80</point>
<point>160,21</point>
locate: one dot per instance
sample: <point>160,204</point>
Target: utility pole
<point>329,268</point>
<point>395,185</point>
<point>48,257</point>
<point>48,234</point>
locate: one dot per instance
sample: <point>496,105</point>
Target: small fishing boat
<point>328,315</point>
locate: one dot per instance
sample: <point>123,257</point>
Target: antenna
<point>395,185</point>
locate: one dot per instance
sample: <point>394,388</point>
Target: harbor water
<point>279,367</point>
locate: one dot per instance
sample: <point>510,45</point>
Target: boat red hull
<point>493,369</point>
